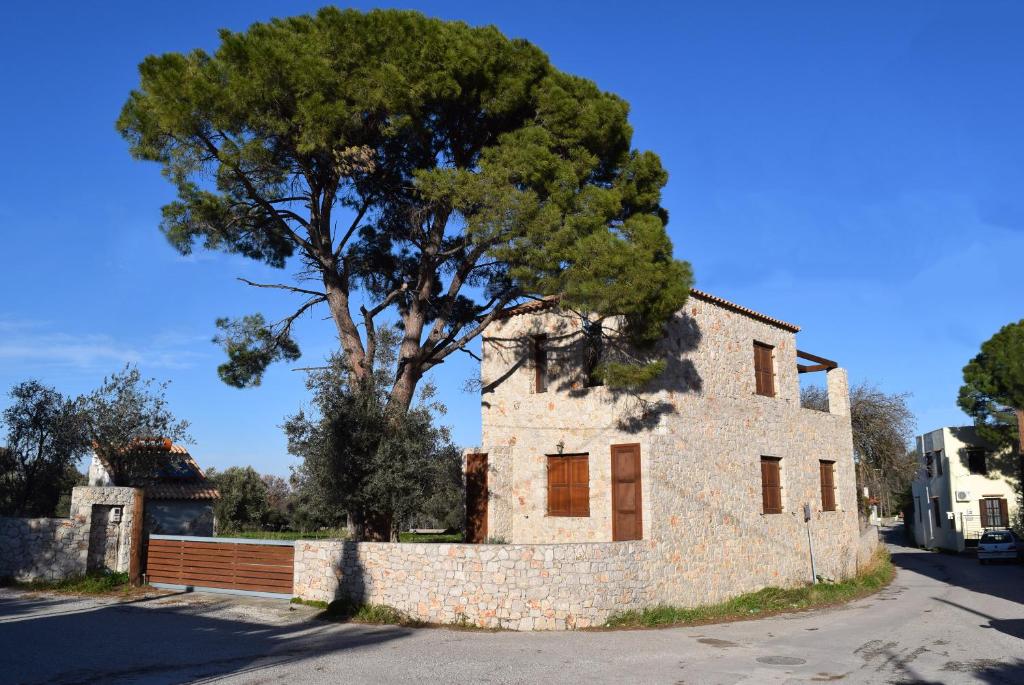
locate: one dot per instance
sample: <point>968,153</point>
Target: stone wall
<point>53,549</point>
<point>42,548</point>
<point>518,587</point>
<point>867,546</point>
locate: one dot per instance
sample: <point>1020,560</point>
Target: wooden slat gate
<point>230,565</point>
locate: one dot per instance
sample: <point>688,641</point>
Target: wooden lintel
<point>827,363</point>
<point>804,368</point>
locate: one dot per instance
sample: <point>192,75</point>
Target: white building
<point>962,488</point>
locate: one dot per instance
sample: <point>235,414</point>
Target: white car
<point>999,544</point>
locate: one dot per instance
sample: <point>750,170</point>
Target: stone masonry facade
<point>702,431</point>
<point>53,549</point>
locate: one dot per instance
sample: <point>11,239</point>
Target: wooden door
<point>476,498</point>
<point>627,504</point>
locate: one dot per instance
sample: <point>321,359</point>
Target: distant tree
<point>307,510</point>
<point>993,389</point>
<point>124,418</point>
<point>422,171</point>
<point>361,455</point>
<point>883,429</point>
<point>279,494</point>
<point>45,437</point>
<point>243,503</point>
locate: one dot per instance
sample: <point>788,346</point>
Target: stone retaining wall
<point>519,587</point>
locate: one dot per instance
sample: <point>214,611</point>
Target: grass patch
<point>379,614</point>
<point>430,537</point>
<point>332,534</point>
<point>316,603</point>
<point>766,602</point>
<point>90,584</point>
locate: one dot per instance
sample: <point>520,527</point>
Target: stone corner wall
<point>867,545</point>
<point>518,587</point>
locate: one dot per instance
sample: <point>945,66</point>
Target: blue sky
<point>856,170</point>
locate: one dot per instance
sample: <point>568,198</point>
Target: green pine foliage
<point>994,385</point>
<point>414,171</point>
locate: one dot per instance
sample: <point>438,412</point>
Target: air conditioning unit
<point>963,496</point>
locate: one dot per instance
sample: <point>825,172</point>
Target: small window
<point>593,350</point>
<point>771,485</point>
<point>938,463</point>
<point>764,373</point>
<point>568,485</point>
<point>540,363</point>
<point>828,485</point>
<point>976,461</point>
<point>994,513</point>
<point>936,513</point>
<point>928,461</point>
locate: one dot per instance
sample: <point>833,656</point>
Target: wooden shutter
<point>1004,514</point>
<point>764,375</point>
<point>558,486</point>
<point>983,508</point>
<point>828,485</point>
<point>540,363</point>
<point>771,486</point>
<point>579,485</point>
<point>569,485</point>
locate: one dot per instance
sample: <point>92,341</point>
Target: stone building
<point>711,466</point>
<point>179,498</point>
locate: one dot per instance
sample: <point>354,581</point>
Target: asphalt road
<point>945,619</point>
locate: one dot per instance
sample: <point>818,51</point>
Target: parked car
<point>999,544</point>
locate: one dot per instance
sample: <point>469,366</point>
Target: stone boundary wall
<point>54,548</point>
<point>518,587</point>
<point>42,548</point>
<point>867,546</point>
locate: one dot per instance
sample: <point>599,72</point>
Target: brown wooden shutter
<point>579,485</point>
<point>771,486</point>
<point>764,375</point>
<point>984,513</point>
<point>540,363</point>
<point>1004,514</point>
<point>828,486</point>
<point>558,486</point>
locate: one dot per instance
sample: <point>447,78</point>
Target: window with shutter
<point>936,513</point>
<point>828,485</point>
<point>568,485</point>
<point>764,372</point>
<point>771,485</point>
<point>540,363</point>
<point>994,513</point>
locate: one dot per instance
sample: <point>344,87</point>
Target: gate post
<point>135,538</point>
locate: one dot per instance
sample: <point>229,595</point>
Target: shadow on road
<point>110,643</point>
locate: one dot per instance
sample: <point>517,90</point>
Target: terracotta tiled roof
<point>547,302</point>
<point>177,477</point>
<point>194,491</point>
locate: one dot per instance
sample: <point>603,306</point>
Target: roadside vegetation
<point>765,602</point>
<point>90,584</point>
